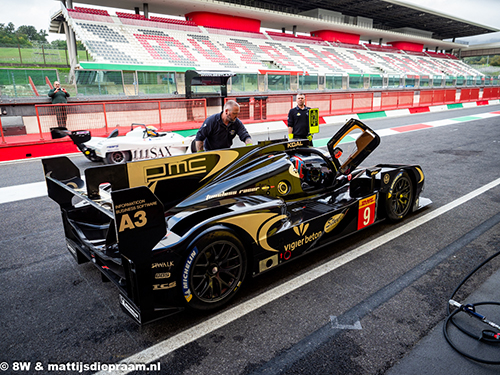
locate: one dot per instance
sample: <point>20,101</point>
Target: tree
<point>495,60</point>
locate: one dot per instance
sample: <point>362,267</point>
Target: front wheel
<point>118,157</point>
<point>214,270</point>
<point>399,199</point>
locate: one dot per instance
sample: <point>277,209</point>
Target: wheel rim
<point>217,270</point>
<point>401,196</point>
<point>118,157</point>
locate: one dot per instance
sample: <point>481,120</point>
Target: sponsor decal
<point>164,286</point>
<point>71,249</point>
<point>137,219</point>
<point>283,187</point>
<point>177,168</point>
<point>131,309</point>
<point>294,144</point>
<point>333,222</point>
<point>366,213</point>
<point>231,193</point>
<point>162,265</point>
<point>185,275</point>
<point>163,275</point>
<point>387,178</point>
<point>301,231</point>
<point>151,153</point>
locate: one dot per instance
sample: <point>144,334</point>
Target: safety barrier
<point>102,118</point>
<point>183,114</point>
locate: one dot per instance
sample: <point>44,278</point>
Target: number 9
<point>366,216</point>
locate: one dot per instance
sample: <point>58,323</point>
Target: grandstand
<point>132,39</point>
<point>139,61</point>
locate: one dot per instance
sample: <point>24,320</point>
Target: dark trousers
<point>61,115</point>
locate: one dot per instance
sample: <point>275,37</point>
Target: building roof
<point>386,14</point>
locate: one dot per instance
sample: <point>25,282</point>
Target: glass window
<point>333,82</point>
<point>376,81</point>
<point>99,82</point>
<point>470,80</point>
<point>425,81</point>
<point>278,82</point>
<point>410,81</point>
<point>308,82</point>
<point>437,81</point>
<point>460,81</point>
<point>355,81</point>
<point>393,81</point>
<point>16,83</point>
<point>244,83</point>
<point>450,81</point>
<point>156,82</point>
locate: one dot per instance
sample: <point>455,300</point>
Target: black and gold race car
<point>189,230</point>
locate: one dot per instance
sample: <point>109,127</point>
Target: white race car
<point>142,142</point>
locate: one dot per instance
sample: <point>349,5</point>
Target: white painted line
<point>440,123</point>
<point>469,104</point>
<point>438,108</point>
<point>398,112</point>
<point>386,132</point>
<point>20,192</point>
<point>163,348</point>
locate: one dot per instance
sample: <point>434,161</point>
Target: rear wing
<point>131,217</point>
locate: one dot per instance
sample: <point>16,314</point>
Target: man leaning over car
<point>219,130</point>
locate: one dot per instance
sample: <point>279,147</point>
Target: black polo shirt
<point>298,120</point>
<point>217,135</point>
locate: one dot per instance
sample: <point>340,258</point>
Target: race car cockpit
<point>314,168</point>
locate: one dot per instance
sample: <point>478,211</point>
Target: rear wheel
<point>213,271</point>
<point>399,199</point>
<point>118,157</point>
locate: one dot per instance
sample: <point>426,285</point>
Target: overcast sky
<point>485,12</point>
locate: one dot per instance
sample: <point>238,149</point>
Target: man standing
<point>298,120</point>
<point>219,130</point>
<point>59,96</point>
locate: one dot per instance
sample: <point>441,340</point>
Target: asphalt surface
<point>379,313</point>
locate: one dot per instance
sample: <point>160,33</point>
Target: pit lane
<point>55,310</point>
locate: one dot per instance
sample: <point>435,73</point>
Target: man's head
<point>301,100</point>
<point>57,85</point>
<point>230,112</point>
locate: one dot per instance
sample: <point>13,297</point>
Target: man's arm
<point>290,124</point>
<point>243,133</point>
<point>200,137</point>
<point>199,146</point>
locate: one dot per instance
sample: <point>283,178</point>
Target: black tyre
<point>399,199</point>
<point>118,157</point>
<point>213,271</point>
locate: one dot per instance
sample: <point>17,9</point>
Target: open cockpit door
<point>352,144</point>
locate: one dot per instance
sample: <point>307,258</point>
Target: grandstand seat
<point>133,39</point>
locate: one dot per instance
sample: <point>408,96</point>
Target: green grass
<point>36,56</point>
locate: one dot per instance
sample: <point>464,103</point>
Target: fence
<point>170,115</point>
<point>102,118</point>
<point>259,108</point>
<point>39,55</point>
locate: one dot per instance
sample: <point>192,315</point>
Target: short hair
<point>230,104</point>
<point>300,93</point>
<point>57,82</point>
